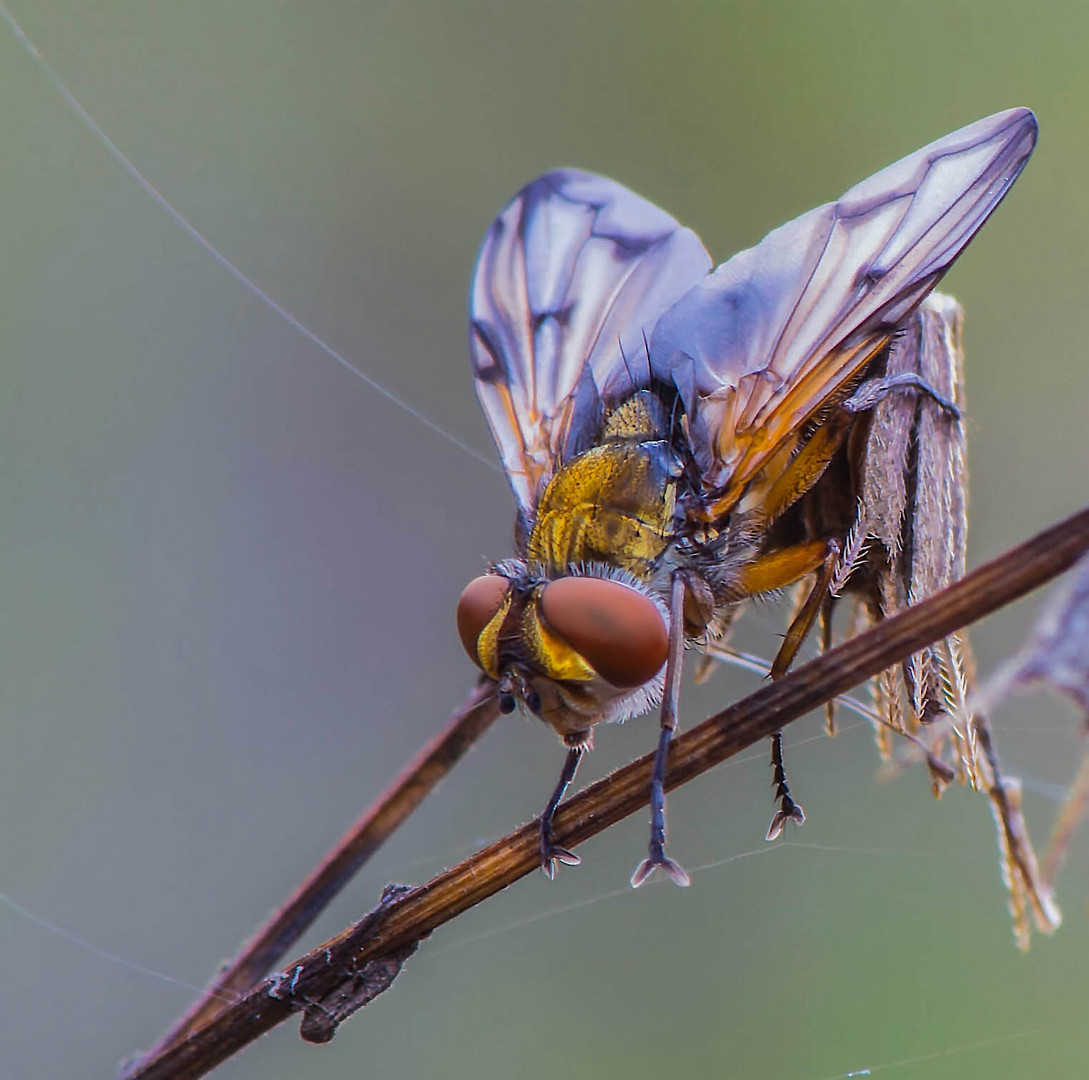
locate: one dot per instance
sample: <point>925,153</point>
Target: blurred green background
<point>230,567</point>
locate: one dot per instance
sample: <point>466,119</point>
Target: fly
<point>680,439</point>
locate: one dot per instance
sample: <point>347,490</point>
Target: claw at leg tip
<point>556,855</point>
<point>781,817</point>
<point>672,870</point>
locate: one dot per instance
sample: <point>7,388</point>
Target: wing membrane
<point>768,338</point>
<point>571,276</point>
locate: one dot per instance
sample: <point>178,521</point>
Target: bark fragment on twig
<point>358,987</point>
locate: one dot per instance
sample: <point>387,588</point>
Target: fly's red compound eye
<point>477,607</point>
<point>617,630</point>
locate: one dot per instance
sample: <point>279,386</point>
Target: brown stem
<point>374,826</point>
<point>625,791</point>
<point>1071,814</point>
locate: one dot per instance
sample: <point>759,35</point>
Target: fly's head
<point>575,650</point>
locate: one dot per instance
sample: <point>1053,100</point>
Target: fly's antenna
<point>202,241</point>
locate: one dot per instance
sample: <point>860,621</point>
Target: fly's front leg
<point>552,853</point>
<point>656,856</point>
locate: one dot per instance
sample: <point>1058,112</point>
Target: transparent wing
<point>768,338</point>
<point>571,276</point>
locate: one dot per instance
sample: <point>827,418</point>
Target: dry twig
<point>317,975</point>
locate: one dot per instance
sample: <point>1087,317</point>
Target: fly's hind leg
<point>810,610</point>
<point>872,392</point>
<point>775,571</point>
